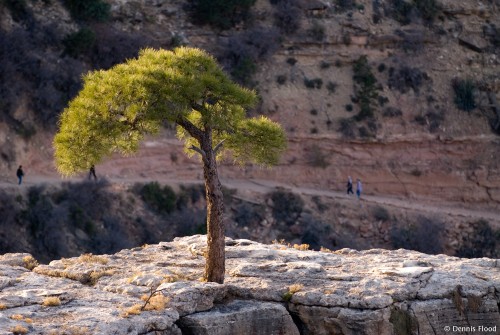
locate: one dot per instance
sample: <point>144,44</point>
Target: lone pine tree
<point>116,108</point>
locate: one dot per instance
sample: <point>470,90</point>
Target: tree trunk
<point>215,264</point>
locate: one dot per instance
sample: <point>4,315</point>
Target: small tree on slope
<point>116,108</point>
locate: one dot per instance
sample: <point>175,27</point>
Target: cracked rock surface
<point>269,289</point>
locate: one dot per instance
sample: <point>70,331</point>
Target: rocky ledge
<point>269,289</point>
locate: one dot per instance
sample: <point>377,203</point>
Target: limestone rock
<point>371,292</point>
<point>241,318</point>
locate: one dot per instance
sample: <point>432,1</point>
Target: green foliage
<point>365,87</point>
<point>88,10</point>
<point>80,42</point>
<point>464,93</point>
<point>118,107</point>
<point>160,199</point>
<point>221,14</point>
<point>244,70</point>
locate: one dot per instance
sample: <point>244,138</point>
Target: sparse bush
<point>313,112</point>
<point>220,14</point>
<point>287,206</point>
<point>18,9</point>
<point>287,16</point>
<point>406,78</point>
<point>344,5</point>
<point>482,242</point>
<point>30,263</point>
<point>315,83</point>
<point>365,88</point>
<point>381,214</point>
<point>331,87</point>
<point>292,61</point>
<point>324,65</point>
<point>51,302</point>
<point>19,330</point>
<point>113,46</point>
<point>392,112</point>
<point>316,158</point>
<point>281,79</point>
<point>346,128</point>
<point>79,43</point>
<point>319,204</point>
<point>348,107</point>
<point>247,214</point>
<point>161,199</point>
<point>401,11</point>
<point>464,93</point>
<point>244,70</point>
<point>88,10</point>
<point>317,32</point>
<point>424,235</point>
<point>428,9</point>
<point>244,50</point>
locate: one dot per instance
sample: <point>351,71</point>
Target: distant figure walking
<point>359,188</point>
<point>92,172</point>
<point>20,174</point>
<point>349,185</point>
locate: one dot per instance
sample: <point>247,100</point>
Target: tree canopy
<point>117,107</point>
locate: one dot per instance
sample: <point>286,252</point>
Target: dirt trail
<point>265,186</point>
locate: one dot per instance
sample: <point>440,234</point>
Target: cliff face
<point>269,289</point>
<point>417,143</point>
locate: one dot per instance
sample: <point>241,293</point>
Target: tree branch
<point>201,152</point>
<point>190,128</point>
<point>218,146</point>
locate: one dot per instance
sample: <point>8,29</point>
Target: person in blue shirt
<point>359,188</point>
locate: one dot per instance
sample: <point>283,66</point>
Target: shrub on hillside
<point>287,206</point>
<point>315,157</point>
<point>221,14</point>
<point>88,10</point>
<point>160,199</point>
<point>244,50</point>
<point>424,235</point>
<point>287,16</point>
<point>365,88</point>
<point>79,43</point>
<point>247,214</point>
<point>464,93</point>
<point>482,242</point>
<point>18,9</point>
<point>405,78</point>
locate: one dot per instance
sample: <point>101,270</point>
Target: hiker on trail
<point>92,172</point>
<point>349,185</point>
<point>20,174</point>
<point>359,188</point>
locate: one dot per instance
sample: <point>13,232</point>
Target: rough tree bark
<point>215,264</point>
